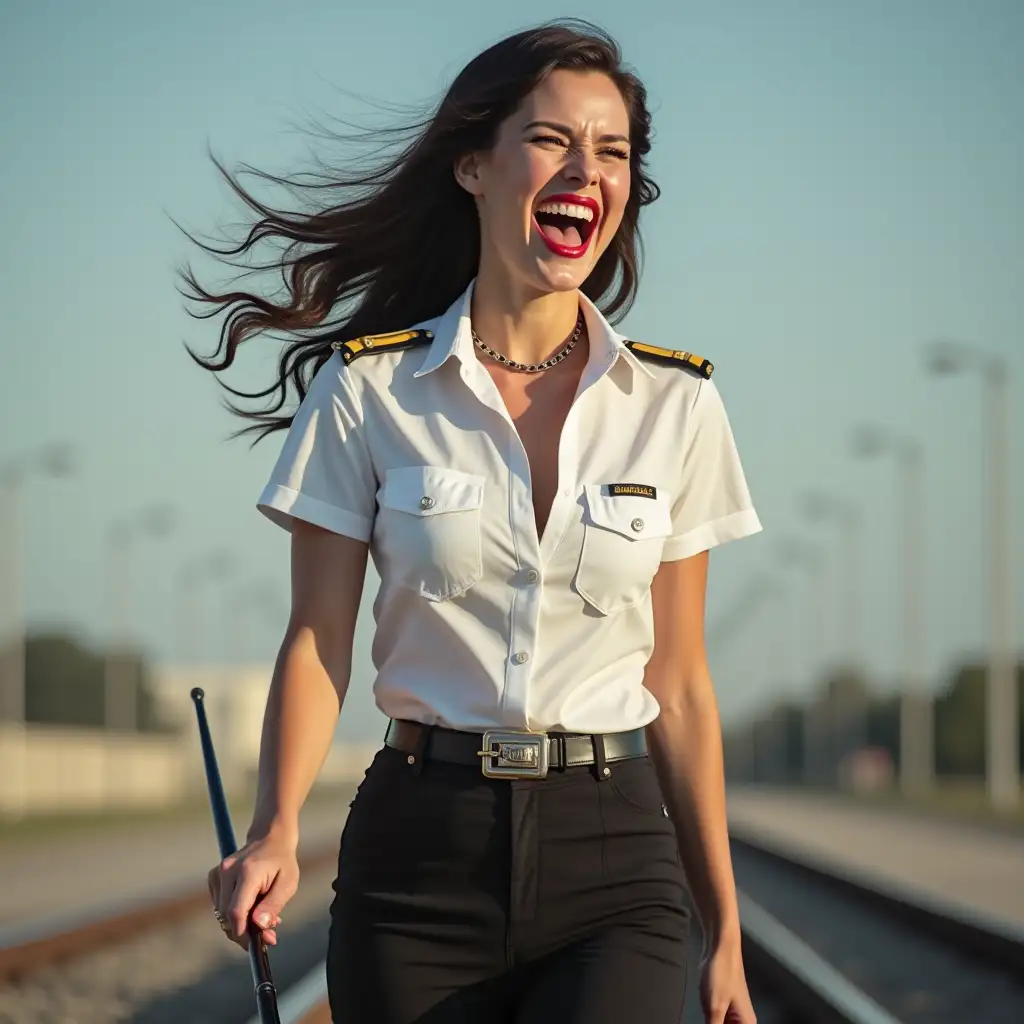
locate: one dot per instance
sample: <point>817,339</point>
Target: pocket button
<point>426,501</point>
<point>637,524</point>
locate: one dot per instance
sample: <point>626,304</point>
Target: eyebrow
<point>566,130</point>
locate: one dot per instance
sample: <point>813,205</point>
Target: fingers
<point>222,883</point>
<point>267,911</point>
<point>247,888</point>
<point>242,889</point>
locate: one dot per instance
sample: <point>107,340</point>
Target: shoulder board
<point>392,342</point>
<point>672,357</point>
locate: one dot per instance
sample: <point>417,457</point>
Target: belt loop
<point>563,751</point>
<point>601,769</point>
<point>417,757</point>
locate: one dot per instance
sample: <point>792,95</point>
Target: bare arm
<point>686,744</point>
<point>311,676</point>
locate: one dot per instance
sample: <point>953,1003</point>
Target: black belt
<point>513,753</point>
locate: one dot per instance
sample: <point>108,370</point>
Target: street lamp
<point>210,566</point>
<point>723,628</point>
<point>808,558</point>
<point>820,506</point>
<point>120,696</point>
<point>255,596</point>
<point>54,461</point>
<point>917,743</point>
<point>946,357</point>
<point>851,703</point>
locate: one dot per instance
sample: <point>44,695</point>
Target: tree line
<point>852,716</point>
<point>65,683</point>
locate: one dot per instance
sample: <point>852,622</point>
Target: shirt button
<point>521,657</point>
<point>637,524</point>
<point>426,502</point>
<point>532,576</point>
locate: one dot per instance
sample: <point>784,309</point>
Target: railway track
<point>923,961</point>
<point>820,947</point>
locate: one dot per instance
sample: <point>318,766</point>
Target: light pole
<point>120,685</point>
<point>725,627</point>
<point>917,730</point>
<point>208,567</point>
<point>800,555</point>
<point>55,461</point>
<point>1002,711</point>
<point>255,596</point>
<point>852,700</point>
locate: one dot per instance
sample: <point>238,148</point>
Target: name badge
<point>636,490</point>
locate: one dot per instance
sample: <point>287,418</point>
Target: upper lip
<point>571,197</point>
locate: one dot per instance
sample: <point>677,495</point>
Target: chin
<point>561,279</point>
<point>561,275</point>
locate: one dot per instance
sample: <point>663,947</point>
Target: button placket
<point>525,615</point>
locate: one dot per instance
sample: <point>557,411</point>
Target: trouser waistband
<point>513,753</point>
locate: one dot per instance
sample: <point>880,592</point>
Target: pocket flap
<point>431,490</point>
<point>630,515</point>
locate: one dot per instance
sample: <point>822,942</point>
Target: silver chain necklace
<point>532,367</point>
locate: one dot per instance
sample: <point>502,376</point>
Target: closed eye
<point>615,151</point>
<point>548,138</point>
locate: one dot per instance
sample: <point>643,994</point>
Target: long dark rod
<point>259,960</point>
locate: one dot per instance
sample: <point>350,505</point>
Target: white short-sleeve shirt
<point>479,622</point>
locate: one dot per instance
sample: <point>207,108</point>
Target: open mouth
<point>567,222</point>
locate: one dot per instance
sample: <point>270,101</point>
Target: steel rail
<point>797,976</point>
<point>968,930</point>
<point>65,943</point>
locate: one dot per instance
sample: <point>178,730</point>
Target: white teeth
<point>567,210</point>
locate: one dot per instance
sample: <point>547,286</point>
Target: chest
<point>538,409</point>
<point>463,472</point>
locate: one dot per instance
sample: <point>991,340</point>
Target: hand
<point>723,986</point>
<point>257,880</point>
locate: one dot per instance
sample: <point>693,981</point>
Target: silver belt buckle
<point>512,754</point>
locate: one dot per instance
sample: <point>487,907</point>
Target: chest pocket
<point>623,537</point>
<point>429,529</point>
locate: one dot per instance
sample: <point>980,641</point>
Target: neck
<point>524,327</point>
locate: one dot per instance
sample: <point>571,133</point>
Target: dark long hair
<point>401,242</point>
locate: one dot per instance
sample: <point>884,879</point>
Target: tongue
<point>568,236</point>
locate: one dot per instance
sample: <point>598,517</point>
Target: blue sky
<point>840,183</point>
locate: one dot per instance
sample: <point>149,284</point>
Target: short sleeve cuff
<point>719,531</point>
<point>282,504</point>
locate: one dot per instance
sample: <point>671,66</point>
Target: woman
<point>539,498</point>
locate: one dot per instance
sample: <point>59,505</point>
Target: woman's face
<point>552,191</point>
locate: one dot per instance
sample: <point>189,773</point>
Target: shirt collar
<point>453,337</point>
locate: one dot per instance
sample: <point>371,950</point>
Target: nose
<point>581,167</point>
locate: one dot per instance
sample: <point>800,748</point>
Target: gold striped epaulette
<point>672,357</point>
<point>381,343</point>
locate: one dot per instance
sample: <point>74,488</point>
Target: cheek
<point>515,180</point>
<point>616,195</point>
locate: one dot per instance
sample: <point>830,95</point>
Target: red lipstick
<point>587,229</point>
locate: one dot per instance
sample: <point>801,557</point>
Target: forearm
<point>686,748</point>
<point>302,711</point>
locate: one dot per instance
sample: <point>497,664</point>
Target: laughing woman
<point>539,496</point>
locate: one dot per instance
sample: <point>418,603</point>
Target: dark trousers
<point>460,898</point>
